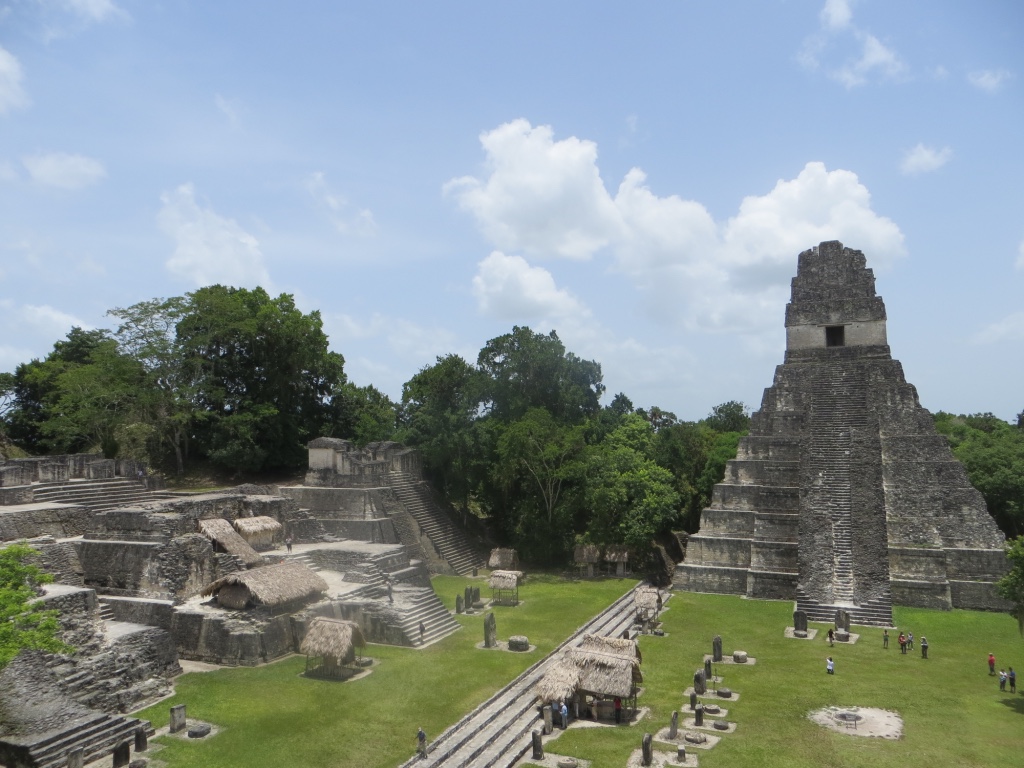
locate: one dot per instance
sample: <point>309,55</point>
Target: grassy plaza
<point>952,710</point>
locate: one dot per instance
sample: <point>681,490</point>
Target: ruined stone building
<point>843,494</point>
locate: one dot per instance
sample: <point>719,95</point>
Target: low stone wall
<point>20,494</point>
<point>921,594</point>
<point>977,596</point>
<point>715,550</point>
<point>140,610</point>
<point>78,618</point>
<point>377,531</point>
<point>58,520</point>
<point>766,585</point>
<point>242,638</point>
<point>703,578</point>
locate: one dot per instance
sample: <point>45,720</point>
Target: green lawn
<point>953,712</point>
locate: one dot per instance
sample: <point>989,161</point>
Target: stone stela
<point>843,494</point>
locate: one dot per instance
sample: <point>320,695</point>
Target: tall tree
<point>1011,586</point>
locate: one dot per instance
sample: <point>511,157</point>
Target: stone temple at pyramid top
<point>843,495</point>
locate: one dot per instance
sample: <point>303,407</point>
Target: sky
<point>639,177</point>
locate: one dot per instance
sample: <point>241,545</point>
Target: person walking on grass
<point>1012,677</point>
<point>910,641</point>
<point>991,664</point>
<point>1002,679</point>
<point>924,647</point>
<point>902,640</point>
<point>831,636</point>
<point>421,742</point>
<point>885,638</point>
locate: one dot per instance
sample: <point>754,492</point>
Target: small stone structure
<point>843,494</point>
<point>490,631</point>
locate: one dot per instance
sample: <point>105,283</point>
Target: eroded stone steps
<point>97,737</point>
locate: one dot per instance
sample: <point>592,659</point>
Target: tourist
<point>1002,679</point>
<point>391,597</point>
<point>564,710</point>
<point>618,710</point>
<point>910,641</point>
<point>830,666</point>
<point>421,742</point>
<point>991,664</point>
<point>288,543</point>
<point>924,647</point>
<point>423,630</point>
<point>902,640</point>
<point>1012,676</point>
<point>831,636</point>
<point>885,638</point>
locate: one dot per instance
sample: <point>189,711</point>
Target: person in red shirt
<point>991,664</point>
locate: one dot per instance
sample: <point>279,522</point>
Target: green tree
<point>527,370</point>
<point>263,374</point>
<point>367,415</point>
<point>683,448</point>
<point>440,406</point>
<point>729,417</point>
<point>24,621</point>
<point>1011,586</point>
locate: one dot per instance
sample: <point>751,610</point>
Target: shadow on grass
<point>1016,703</point>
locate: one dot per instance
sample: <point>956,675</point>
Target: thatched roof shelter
<point>616,554</point>
<point>559,683</point>
<point>258,531</point>
<point>272,585</point>
<point>505,587</point>
<point>615,646</point>
<point>503,559</point>
<point>223,535</point>
<point>607,675</point>
<point>647,603</point>
<point>330,644</point>
<point>587,553</point>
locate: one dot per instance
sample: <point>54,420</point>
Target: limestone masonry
<point>843,494</point>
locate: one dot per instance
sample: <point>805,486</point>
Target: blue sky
<point>639,177</point>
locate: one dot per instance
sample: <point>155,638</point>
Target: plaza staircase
<point>97,495</point>
<point>95,735</point>
<point>450,541</point>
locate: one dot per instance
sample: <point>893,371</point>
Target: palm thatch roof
<point>616,554</point>
<point>333,638</point>
<point>221,532</point>
<point>615,646</point>
<point>605,674</point>
<point>505,579</point>
<point>503,559</point>
<point>646,599</point>
<point>272,585</point>
<point>559,682</point>
<point>253,525</point>
<point>587,553</point>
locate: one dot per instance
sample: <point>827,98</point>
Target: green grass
<point>952,710</point>
<point>272,716</point>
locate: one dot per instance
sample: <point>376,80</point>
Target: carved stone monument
<point>177,718</point>
<point>141,740</point>
<point>708,677</point>
<point>490,631</point>
<point>549,721</point>
<point>693,700</point>
<point>842,494</point>
<point>698,715</point>
<point>458,604</point>
<point>842,620</point>
<point>468,599</point>
<point>800,623</point>
<point>76,758</point>
<point>673,728</point>
<point>122,754</point>
<point>699,683</point>
<point>646,749</point>
<point>538,746</point>
<point>716,649</point>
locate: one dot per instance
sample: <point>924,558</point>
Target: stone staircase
<point>497,733</point>
<point>839,407</point>
<point>427,608</point>
<point>448,539</point>
<point>97,495</point>
<point>96,736</point>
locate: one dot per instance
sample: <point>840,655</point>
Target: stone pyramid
<point>843,495</point>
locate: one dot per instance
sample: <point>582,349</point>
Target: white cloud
<point>209,248</point>
<point>687,267</point>
<point>989,80</point>
<point>35,327</point>
<point>540,196</point>
<point>345,218</point>
<point>836,14</point>
<point>922,159</point>
<point>59,169</point>
<point>508,288</point>
<point>1010,328</point>
<point>12,95</point>
<point>93,10</point>
<point>875,58</point>
<point>837,32</point>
